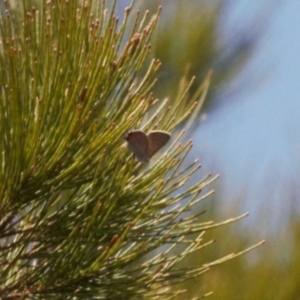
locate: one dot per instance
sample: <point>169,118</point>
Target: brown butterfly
<point>145,146</point>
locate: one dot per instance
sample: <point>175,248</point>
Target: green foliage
<point>80,218</point>
<point>270,273</point>
<point>189,41</point>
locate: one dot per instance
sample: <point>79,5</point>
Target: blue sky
<point>253,141</point>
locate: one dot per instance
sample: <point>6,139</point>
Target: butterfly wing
<point>156,140</point>
<point>137,142</point>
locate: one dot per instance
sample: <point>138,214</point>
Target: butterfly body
<point>145,146</point>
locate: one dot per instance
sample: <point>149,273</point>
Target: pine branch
<point>80,218</point>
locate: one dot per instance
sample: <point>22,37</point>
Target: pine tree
<point>80,217</point>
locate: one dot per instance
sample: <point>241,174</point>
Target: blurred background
<point>249,134</point>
